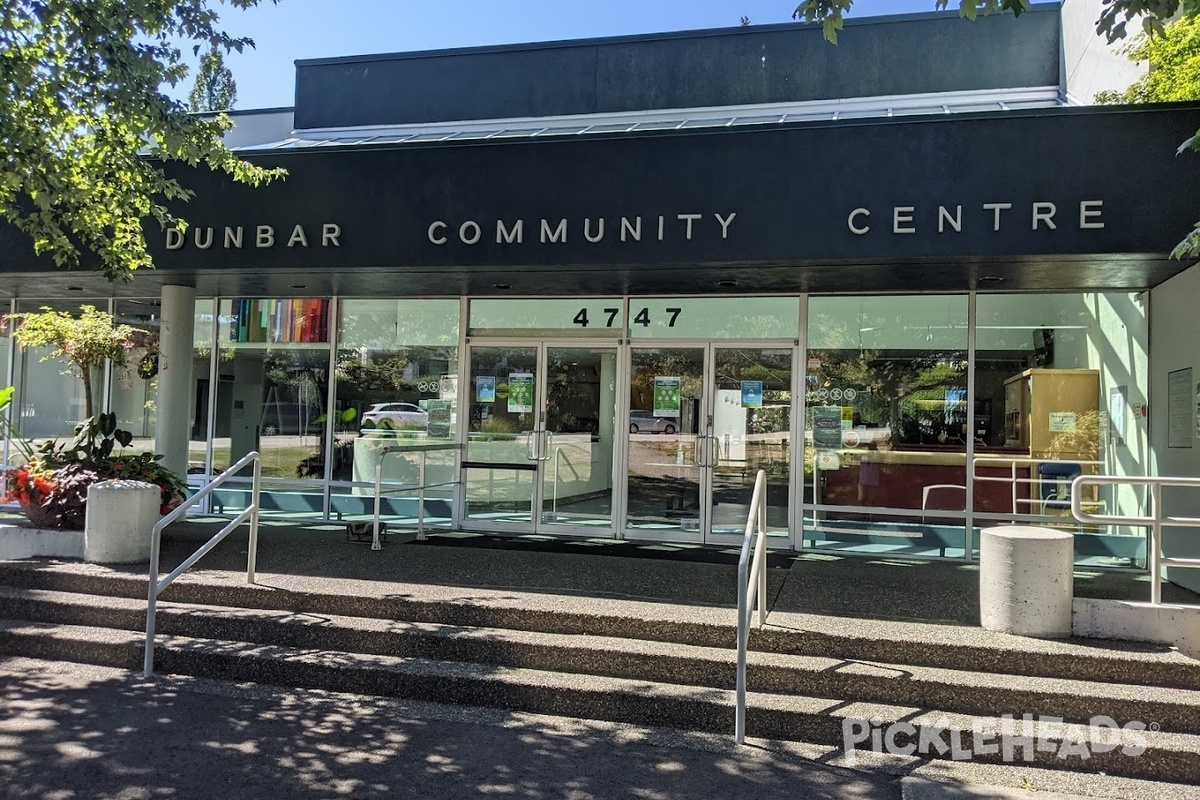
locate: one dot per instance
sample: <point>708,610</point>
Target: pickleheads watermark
<point>1011,738</point>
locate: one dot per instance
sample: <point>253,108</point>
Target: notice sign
<point>752,394</point>
<point>1180,408</point>
<point>1063,421</point>
<point>485,388</point>
<point>520,392</point>
<point>827,427</point>
<point>666,396</point>
<point>439,418</point>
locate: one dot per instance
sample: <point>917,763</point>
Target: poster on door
<point>666,396</point>
<point>520,392</point>
<point>485,388</point>
<point>827,427</point>
<point>752,394</point>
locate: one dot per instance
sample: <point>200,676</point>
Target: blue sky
<point>297,29</point>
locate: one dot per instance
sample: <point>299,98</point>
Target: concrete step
<point>1166,756</point>
<point>964,692</point>
<point>887,642</point>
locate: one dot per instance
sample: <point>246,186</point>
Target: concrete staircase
<point>812,678</point>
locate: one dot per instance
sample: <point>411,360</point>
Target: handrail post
<point>252,556</point>
<point>375,545</point>
<point>760,560</point>
<point>152,602</point>
<point>421,498</point>
<point>1156,544</point>
<point>739,724</point>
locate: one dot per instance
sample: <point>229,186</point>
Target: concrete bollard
<point>1026,580</point>
<point>120,516</point>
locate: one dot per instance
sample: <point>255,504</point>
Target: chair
<point>925,492</point>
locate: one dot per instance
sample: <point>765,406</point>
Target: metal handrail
<point>157,586</point>
<point>1012,462</point>
<point>1154,520</point>
<point>752,583</point>
<point>419,487</point>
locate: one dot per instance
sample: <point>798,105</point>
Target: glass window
<point>601,317</point>
<point>273,378</point>
<point>132,393</point>
<point>1064,375</point>
<point>887,424</point>
<point>714,317</point>
<point>397,386</point>
<point>50,399</point>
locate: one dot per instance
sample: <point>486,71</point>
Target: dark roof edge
<point>1042,7</point>
<point>907,119</point>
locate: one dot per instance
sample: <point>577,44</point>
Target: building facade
<point>591,288</point>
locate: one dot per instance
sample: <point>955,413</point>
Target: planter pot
<point>38,516</point>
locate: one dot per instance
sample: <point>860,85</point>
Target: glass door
<point>751,430</point>
<point>702,422</point>
<point>668,427</point>
<point>540,439</point>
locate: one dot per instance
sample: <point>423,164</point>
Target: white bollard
<point>120,516</point>
<point>1026,580</point>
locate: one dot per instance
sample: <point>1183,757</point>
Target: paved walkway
<point>90,732</point>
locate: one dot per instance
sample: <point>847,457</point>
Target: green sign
<point>520,393</point>
<point>666,397</point>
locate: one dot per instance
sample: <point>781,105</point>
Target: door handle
<point>530,445</point>
<point>548,442</point>
<point>698,451</point>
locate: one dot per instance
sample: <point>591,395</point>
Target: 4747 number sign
<point>644,317</point>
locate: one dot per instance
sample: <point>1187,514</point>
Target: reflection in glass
<point>397,387</point>
<point>500,432</point>
<point>577,473</point>
<point>888,424</point>
<point>50,395</point>
<point>133,392</point>
<point>752,410</point>
<point>1064,373</point>
<point>273,373</point>
<point>662,470</point>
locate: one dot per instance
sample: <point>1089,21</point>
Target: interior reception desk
<point>923,478</point>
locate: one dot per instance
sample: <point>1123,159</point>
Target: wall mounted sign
<point>1180,408</point>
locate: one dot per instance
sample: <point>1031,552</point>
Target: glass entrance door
<point>540,439</point>
<point>702,421</point>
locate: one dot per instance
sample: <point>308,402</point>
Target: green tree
<point>1174,61</point>
<point>85,125</point>
<point>214,89</point>
<point>1154,17</point>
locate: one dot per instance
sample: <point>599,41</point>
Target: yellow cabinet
<point>1053,413</point>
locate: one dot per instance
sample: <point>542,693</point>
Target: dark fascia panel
<point>907,54</point>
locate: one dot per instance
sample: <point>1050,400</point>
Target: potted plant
<point>52,487</point>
